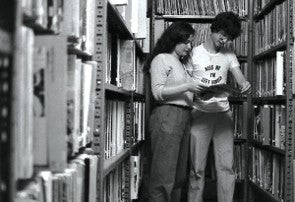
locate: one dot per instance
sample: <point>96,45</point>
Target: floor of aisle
<point>210,192</point>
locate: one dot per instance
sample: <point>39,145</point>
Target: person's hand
<point>196,86</point>
<point>206,95</point>
<point>246,87</point>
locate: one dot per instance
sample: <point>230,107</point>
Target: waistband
<point>174,105</point>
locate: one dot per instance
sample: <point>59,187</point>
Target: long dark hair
<point>177,32</point>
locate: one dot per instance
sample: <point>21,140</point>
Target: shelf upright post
<point>128,124</point>
<point>99,116</point>
<point>152,42</point>
<point>7,181</point>
<point>289,157</point>
<point>128,145</point>
<point>6,140</point>
<point>148,104</point>
<point>12,133</point>
<point>248,189</point>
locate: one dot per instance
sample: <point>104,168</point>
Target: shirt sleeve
<point>159,73</point>
<point>195,65</point>
<point>234,63</point>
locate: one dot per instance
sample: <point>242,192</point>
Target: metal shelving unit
<point>290,106</point>
<point>9,27</point>
<point>108,17</point>
<point>12,18</point>
<point>288,153</point>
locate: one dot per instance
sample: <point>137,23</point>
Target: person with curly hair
<point>212,117</point>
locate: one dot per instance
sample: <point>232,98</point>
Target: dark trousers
<point>170,135</point>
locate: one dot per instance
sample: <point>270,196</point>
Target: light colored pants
<point>170,133</point>
<point>219,128</point>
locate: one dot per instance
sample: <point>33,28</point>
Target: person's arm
<point>159,74</point>
<point>191,86</point>
<point>244,85</point>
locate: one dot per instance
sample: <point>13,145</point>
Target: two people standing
<point>176,82</point>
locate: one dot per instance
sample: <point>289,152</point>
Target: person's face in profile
<point>182,49</point>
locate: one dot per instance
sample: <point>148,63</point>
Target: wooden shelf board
<point>117,23</point>
<point>78,52</point>
<point>267,8</point>
<point>187,18</point>
<point>267,147</point>
<point>118,92</point>
<point>271,52</point>
<point>110,88</point>
<point>30,21</point>
<point>73,39</point>
<point>240,140</point>
<point>190,18</point>
<point>113,162</point>
<point>270,100</point>
<point>236,100</point>
<point>242,58</point>
<point>270,197</point>
<point>137,145</point>
<point>138,96</point>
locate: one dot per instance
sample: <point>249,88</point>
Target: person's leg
<point>201,134</point>
<point>179,192</point>
<point>167,126</point>
<point>223,140</point>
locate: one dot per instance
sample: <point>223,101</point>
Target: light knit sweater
<point>167,70</point>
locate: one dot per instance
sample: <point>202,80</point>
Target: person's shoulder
<point>228,51</point>
<point>229,54</point>
<point>162,56</point>
<point>231,57</point>
<point>159,57</point>
<point>197,48</point>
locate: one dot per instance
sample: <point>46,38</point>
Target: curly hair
<point>228,22</point>
<point>177,32</point>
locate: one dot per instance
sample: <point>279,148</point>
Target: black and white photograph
<point>147,101</point>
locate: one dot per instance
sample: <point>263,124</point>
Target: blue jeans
<point>170,136</point>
